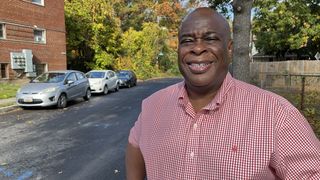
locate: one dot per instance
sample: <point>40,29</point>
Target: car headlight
<point>49,90</point>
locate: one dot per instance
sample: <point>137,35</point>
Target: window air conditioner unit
<point>38,39</point>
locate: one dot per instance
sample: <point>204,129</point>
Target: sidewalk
<point>7,105</point>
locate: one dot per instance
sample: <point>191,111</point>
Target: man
<point>212,126</point>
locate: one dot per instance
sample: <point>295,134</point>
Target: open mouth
<point>199,67</point>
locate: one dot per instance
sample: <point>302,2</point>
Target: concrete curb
<point>8,109</point>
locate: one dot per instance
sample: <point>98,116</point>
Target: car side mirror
<point>107,77</point>
<point>31,80</point>
<point>70,82</point>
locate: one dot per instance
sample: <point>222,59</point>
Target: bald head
<point>197,16</point>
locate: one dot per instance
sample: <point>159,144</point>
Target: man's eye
<point>189,40</point>
<point>211,38</point>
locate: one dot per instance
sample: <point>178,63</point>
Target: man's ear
<point>230,49</point>
<point>230,46</point>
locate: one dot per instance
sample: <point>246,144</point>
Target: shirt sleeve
<point>297,149</point>
<point>135,133</point>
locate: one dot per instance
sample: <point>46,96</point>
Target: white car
<point>101,81</point>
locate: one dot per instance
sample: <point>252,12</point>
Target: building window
<point>40,2</point>
<point>39,36</point>
<point>41,68</point>
<point>4,70</point>
<point>2,31</point>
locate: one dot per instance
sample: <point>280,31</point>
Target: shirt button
<point>195,126</point>
<point>192,154</point>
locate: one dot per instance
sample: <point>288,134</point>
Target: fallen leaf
<point>29,122</point>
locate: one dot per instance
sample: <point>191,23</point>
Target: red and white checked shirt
<point>244,133</point>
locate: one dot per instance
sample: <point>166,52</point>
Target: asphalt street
<point>85,141</point>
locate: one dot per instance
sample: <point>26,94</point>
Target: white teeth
<point>199,65</point>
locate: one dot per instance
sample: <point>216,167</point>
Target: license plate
<point>27,99</point>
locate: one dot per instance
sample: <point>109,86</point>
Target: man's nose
<point>199,47</point>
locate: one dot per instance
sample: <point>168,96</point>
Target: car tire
<point>105,90</point>
<point>88,95</point>
<point>62,101</point>
<point>117,88</point>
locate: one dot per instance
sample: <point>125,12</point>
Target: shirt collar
<point>183,98</point>
<point>217,101</point>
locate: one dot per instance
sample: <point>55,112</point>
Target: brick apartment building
<point>32,38</point>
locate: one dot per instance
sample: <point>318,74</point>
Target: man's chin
<point>199,83</point>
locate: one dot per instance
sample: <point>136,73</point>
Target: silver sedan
<point>54,88</point>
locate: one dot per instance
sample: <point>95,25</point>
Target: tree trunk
<point>241,39</point>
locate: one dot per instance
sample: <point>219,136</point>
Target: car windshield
<point>96,74</point>
<point>123,75</point>
<point>53,77</point>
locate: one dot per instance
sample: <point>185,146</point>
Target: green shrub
<point>8,90</point>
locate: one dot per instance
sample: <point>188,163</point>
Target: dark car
<point>127,78</point>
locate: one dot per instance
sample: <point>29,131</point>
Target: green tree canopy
<point>93,32</point>
<point>134,13</point>
<point>142,49</point>
<point>120,34</point>
<point>286,26</point>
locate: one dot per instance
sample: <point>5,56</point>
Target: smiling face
<point>204,50</point>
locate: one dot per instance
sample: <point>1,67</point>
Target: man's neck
<point>200,98</point>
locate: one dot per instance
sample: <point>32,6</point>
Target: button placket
<point>195,134</point>
<point>193,145</point>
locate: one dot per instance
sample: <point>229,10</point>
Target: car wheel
<point>88,95</point>
<point>62,101</point>
<point>105,90</point>
<point>117,88</point>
